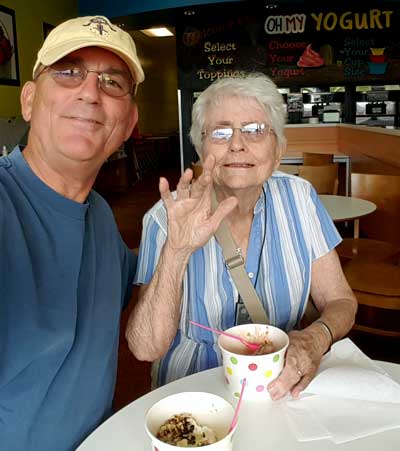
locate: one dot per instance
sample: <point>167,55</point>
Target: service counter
<point>372,149</point>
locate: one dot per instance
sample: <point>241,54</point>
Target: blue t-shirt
<point>64,278</point>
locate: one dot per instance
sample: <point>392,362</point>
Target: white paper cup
<point>259,370</point>
<point>208,410</point>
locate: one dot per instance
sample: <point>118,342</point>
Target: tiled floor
<point>129,206</point>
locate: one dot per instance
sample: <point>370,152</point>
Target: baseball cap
<point>89,31</point>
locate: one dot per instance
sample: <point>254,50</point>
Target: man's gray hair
<point>251,85</point>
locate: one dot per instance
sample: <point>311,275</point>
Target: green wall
<point>29,18</point>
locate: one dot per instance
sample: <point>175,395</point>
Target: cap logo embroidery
<point>100,26</point>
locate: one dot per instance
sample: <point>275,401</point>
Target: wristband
<point>327,328</point>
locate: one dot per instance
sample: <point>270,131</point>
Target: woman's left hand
<point>302,360</point>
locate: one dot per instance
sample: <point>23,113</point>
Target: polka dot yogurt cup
<point>259,370</point>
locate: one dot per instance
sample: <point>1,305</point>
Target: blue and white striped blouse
<point>298,230</point>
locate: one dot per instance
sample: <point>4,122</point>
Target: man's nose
<point>90,87</point>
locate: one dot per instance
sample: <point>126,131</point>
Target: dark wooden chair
<point>368,250</point>
<point>376,286</point>
<point>384,191</point>
<point>379,231</point>
<point>289,168</point>
<point>197,169</point>
<point>317,159</point>
<point>324,178</point>
<point>373,271</point>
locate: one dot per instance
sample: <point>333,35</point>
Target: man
<point>65,271</point>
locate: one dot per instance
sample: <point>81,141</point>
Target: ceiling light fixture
<point>189,13</point>
<point>157,32</point>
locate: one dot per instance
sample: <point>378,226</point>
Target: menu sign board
<point>295,44</point>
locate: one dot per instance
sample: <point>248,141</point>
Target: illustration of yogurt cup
<point>259,370</point>
<point>377,50</point>
<point>377,68</point>
<point>377,58</point>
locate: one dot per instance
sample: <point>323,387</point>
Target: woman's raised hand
<point>191,222</point>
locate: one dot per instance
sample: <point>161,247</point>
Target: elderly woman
<point>285,235</point>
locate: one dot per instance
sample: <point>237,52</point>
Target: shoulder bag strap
<point>235,263</point>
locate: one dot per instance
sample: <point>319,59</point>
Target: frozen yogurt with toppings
<point>261,338</point>
<point>183,430</point>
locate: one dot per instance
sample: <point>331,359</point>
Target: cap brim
<point>58,52</point>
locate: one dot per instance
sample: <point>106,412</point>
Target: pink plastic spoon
<point>236,414</point>
<point>252,346</point>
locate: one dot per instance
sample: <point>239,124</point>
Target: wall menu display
<point>295,44</point>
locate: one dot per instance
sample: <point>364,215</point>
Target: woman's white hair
<point>251,85</point>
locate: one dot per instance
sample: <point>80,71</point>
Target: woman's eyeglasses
<point>253,132</point>
<point>113,83</point>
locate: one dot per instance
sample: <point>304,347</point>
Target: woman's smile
<point>239,165</point>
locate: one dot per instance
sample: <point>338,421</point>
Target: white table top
<point>343,208</point>
<point>261,427</point>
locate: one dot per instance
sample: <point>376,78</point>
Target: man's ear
<point>27,97</point>
<point>131,121</point>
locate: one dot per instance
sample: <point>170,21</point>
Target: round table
<point>261,426</point>
<point>342,208</point>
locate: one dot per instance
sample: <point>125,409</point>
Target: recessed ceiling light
<point>157,32</point>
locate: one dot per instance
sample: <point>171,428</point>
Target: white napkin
<point>350,397</point>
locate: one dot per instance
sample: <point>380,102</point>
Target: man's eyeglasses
<point>253,132</point>
<point>71,75</point>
